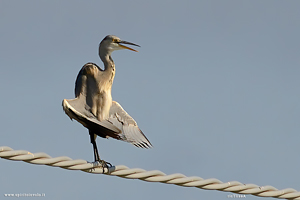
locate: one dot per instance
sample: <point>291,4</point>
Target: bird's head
<point>111,43</point>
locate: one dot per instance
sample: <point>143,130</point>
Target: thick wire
<point>150,176</point>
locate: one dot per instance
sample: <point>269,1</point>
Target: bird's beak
<point>125,47</point>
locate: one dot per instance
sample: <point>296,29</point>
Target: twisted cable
<point>150,176</point>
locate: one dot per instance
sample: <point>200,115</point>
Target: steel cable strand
<point>149,176</point>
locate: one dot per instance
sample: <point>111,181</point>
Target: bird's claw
<point>103,164</point>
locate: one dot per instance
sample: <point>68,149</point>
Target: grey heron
<point>93,106</point>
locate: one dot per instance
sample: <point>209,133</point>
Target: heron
<point>93,106</point>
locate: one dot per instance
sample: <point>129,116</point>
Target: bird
<point>93,106</point>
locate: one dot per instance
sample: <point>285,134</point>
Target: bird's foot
<point>103,164</point>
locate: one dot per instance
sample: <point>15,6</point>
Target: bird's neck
<point>107,60</point>
<point>109,67</point>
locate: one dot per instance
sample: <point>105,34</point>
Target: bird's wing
<point>130,131</point>
<point>83,80</point>
<point>77,109</point>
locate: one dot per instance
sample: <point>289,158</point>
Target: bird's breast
<point>103,104</point>
<point>99,93</point>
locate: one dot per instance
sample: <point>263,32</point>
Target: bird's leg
<point>103,163</point>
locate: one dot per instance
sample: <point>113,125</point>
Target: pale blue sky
<point>215,88</point>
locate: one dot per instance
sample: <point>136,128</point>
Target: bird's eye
<point>116,40</point>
